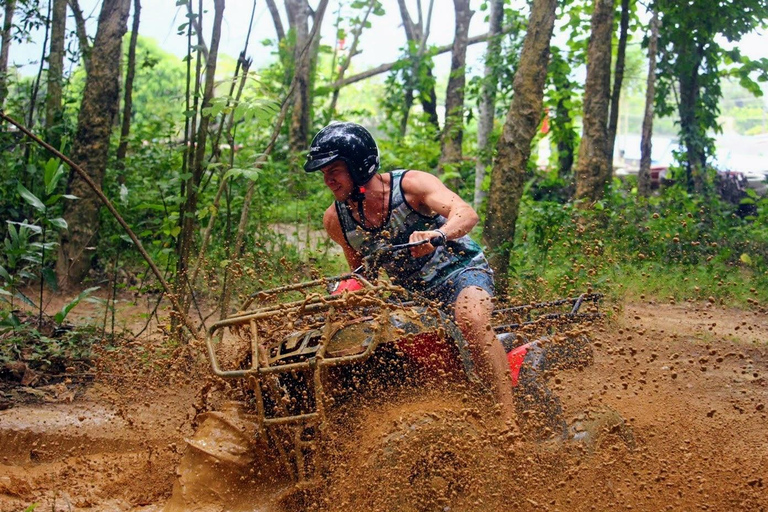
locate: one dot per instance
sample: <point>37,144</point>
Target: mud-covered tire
<point>425,459</point>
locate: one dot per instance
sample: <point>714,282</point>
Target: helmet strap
<point>358,195</point>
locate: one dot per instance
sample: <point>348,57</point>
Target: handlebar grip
<point>437,241</point>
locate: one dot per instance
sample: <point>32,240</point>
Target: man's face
<point>337,179</point>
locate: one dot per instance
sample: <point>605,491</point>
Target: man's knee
<point>473,308</point>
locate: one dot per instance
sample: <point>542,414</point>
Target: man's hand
<point>423,250</point>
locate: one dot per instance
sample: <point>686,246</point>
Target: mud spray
<point>689,381</point>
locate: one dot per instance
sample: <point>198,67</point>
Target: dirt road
<point>689,378</point>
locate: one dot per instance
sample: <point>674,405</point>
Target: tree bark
<point>487,101</point>
<point>5,46</point>
<point>618,79</point>
<point>593,169</point>
<point>125,127</point>
<point>299,13</point>
<point>352,52</point>
<point>189,210</point>
<point>91,143</point>
<point>383,68</point>
<point>453,129</point>
<point>416,35</point>
<point>82,35</point>
<point>279,30</point>
<point>55,71</point>
<point>646,147</point>
<point>514,147</point>
<point>691,139</point>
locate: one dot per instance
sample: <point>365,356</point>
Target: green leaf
<point>4,273</point>
<point>26,300</point>
<point>250,174</point>
<point>58,222</point>
<point>49,276</point>
<point>746,259</point>
<point>61,315</point>
<point>25,227</point>
<point>31,198</point>
<point>53,173</point>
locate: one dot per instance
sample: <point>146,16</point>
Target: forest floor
<point>689,378</point>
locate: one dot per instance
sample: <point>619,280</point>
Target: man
<point>371,210</point>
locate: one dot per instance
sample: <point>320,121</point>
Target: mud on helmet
<point>349,142</point>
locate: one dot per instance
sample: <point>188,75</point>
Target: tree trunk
<point>55,72</point>
<point>453,129</point>
<point>90,147</point>
<point>593,169</point>
<point>298,15</point>
<point>514,146</point>
<point>82,35</point>
<point>644,175</point>
<point>689,126</point>
<point>417,35</point>
<point>276,20</point>
<point>189,210</point>
<point>618,78</point>
<point>352,52</point>
<point>5,45</point>
<point>487,101</point>
<point>125,127</point>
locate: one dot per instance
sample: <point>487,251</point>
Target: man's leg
<point>473,310</point>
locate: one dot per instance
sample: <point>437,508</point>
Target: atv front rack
<point>532,314</point>
<point>309,355</point>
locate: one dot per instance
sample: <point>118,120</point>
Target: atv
<point>298,356</point>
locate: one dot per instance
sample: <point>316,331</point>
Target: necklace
<point>384,209</point>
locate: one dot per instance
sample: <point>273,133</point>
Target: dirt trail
<point>689,378</point>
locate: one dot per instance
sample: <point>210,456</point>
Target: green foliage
<point>693,60</point>
<point>51,353</point>
<point>673,245</point>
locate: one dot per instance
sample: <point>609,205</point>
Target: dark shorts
<point>447,292</point>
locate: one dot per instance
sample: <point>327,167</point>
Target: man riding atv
<point>402,206</point>
<point>296,358</point>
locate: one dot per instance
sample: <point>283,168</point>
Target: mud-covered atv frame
<point>294,346</point>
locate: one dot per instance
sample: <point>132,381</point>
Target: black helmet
<point>349,142</point>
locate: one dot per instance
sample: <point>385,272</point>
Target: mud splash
<point>689,383</point>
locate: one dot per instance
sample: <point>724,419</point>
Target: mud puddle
<point>689,383</point>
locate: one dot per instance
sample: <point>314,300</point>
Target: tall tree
<point>562,101</point>
<point>82,34</point>
<point>514,147</point>
<point>691,58</point>
<point>644,174</point>
<point>419,78</point>
<point>55,71</point>
<point>487,100</point>
<point>130,73</point>
<point>5,45</point>
<point>618,79</point>
<point>593,168</point>
<point>453,128</point>
<point>299,14</point>
<point>91,143</point>
<point>359,23</point>
<point>188,213</point>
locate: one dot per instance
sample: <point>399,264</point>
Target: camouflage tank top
<point>402,220</point>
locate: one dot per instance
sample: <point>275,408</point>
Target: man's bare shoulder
<point>416,180</point>
<point>332,224</point>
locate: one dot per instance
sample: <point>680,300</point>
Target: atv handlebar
<point>436,241</point>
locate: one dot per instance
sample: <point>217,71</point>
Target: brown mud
<point>689,379</point>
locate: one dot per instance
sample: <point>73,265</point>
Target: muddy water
<point>689,379</point>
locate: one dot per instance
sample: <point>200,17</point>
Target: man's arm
<point>427,195</point>
<point>333,228</point>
